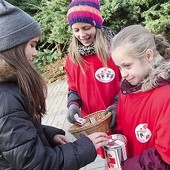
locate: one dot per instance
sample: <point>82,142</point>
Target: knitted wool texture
<point>87,11</point>
<point>16,26</point>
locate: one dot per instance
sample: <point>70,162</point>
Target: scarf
<point>127,88</point>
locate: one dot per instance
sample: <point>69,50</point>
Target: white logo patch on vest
<point>142,132</point>
<point>105,75</point>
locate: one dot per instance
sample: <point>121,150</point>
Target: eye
<point>127,66</point>
<point>119,67</point>
<point>33,44</point>
<point>75,30</point>
<point>87,27</point>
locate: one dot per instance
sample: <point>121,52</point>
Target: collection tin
<point>115,151</point>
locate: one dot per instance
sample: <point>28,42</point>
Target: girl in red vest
<point>144,101</point>
<point>93,78</point>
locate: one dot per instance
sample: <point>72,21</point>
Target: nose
<point>35,52</point>
<point>82,33</point>
<point>124,73</point>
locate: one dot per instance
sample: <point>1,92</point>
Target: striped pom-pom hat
<point>87,11</point>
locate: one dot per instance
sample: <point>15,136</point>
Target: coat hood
<point>160,75</point>
<point>7,72</point>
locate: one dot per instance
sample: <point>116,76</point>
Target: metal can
<point>115,151</point>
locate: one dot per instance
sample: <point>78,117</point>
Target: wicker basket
<point>101,124</point>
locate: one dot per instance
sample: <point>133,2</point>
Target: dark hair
<point>28,79</point>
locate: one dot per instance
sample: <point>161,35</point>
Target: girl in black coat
<point>25,143</point>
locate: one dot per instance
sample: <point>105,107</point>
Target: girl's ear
<point>149,55</point>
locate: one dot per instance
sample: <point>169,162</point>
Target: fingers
<point>70,119</point>
<point>65,140</point>
<point>112,123</point>
<point>101,143</point>
<point>109,109</point>
<point>73,114</point>
<point>105,112</point>
<point>72,110</point>
<point>98,134</point>
<point>99,139</point>
<point>61,139</point>
<point>79,113</point>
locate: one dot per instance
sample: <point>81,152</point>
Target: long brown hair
<point>28,79</point>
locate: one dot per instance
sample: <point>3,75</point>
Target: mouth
<point>129,80</point>
<point>86,41</point>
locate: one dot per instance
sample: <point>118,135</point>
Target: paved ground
<point>56,116</point>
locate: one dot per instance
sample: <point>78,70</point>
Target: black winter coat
<point>27,145</point>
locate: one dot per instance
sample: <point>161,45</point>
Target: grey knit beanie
<point>16,26</point>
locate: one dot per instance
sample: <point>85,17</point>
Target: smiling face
<point>133,69</point>
<point>84,32</point>
<point>30,49</point>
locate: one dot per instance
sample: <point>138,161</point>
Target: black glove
<point>112,109</point>
<point>72,110</point>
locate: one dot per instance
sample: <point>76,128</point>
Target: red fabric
<point>143,112</point>
<point>95,95</point>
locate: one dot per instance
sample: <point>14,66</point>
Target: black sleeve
<point>50,132</point>
<point>149,159</point>
<point>73,97</point>
<point>22,148</point>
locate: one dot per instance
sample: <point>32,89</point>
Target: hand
<point>99,139</point>
<point>72,110</point>
<point>61,139</point>
<point>112,109</point>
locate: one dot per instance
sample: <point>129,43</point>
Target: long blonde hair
<point>101,47</point>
